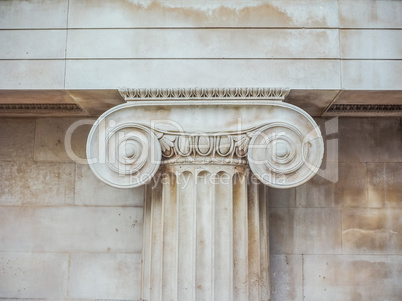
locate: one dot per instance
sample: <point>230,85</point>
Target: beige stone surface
<point>384,184</point>
<point>348,277</point>
<point>144,13</point>
<point>203,43</point>
<point>392,184</point>
<point>286,274</point>
<point>33,275</point>
<point>371,44</point>
<point>33,14</point>
<point>305,231</point>
<point>89,190</point>
<point>32,74</point>
<point>35,96</point>
<point>32,183</point>
<point>369,97</point>
<point>349,191</point>
<point>370,14</point>
<point>93,102</point>
<point>16,139</point>
<point>109,74</point>
<point>112,276</point>
<point>372,231</point>
<point>371,74</point>
<point>371,140</point>
<point>50,139</point>
<point>313,102</point>
<point>71,229</point>
<point>96,102</point>
<point>28,44</point>
<point>282,198</point>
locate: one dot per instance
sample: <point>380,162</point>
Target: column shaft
<point>205,235</point>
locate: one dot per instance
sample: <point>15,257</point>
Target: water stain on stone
<point>157,14</point>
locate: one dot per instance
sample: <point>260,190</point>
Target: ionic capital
<point>252,127</point>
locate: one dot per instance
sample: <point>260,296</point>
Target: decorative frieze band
<point>205,93</point>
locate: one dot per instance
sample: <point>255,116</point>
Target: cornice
<point>130,94</point>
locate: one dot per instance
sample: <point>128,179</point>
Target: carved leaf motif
<point>166,143</point>
<point>242,143</point>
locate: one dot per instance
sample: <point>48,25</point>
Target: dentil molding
<point>279,142</point>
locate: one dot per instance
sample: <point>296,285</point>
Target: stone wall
<point>64,235</point>
<point>104,44</point>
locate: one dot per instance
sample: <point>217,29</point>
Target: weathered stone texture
<point>71,229</point>
<point>352,278</point>
<point>203,43</point>
<point>33,14</point>
<point>282,198</point>
<point>32,74</point>
<point>142,13</point>
<point>371,44</point>
<point>159,73</point>
<point>305,231</point>
<point>372,231</point>
<point>385,184</point>
<point>50,139</point>
<point>16,139</point>
<point>32,183</point>
<point>33,275</point>
<point>28,44</point>
<point>370,140</point>
<point>370,14</point>
<point>371,74</point>
<point>286,273</point>
<point>349,191</point>
<point>114,276</point>
<point>90,191</point>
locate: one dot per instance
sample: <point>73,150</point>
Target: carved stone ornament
<point>252,127</point>
<point>206,154</point>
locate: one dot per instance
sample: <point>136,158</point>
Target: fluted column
<point>205,235</point>
<point>206,157</point>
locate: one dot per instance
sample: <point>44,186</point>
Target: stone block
<point>90,191</point>
<point>384,184</point>
<point>111,276</point>
<point>29,44</point>
<point>286,277</point>
<point>305,231</point>
<point>16,139</point>
<point>71,229</point>
<point>32,74</point>
<point>33,275</point>
<point>50,139</point>
<point>110,74</point>
<point>281,198</point>
<point>349,277</point>
<point>371,44</point>
<point>350,189</point>
<point>372,231</point>
<point>393,184</point>
<point>203,43</point>
<point>370,14</point>
<point>33,14</point>
<point>32,183</point>
<point>372,140</point>
<point>371,74</point>
<point>275,13</point>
